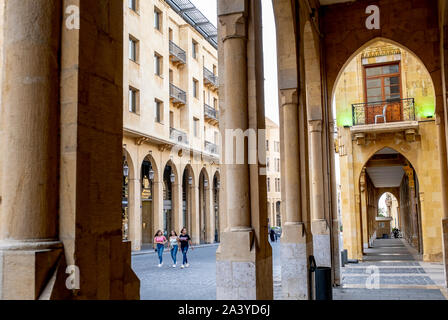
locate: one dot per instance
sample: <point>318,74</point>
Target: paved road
<point>400,276</point>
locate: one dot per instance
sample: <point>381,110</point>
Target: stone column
<point>364,210</point>
<point>29,246</point>
<point>236,256</point>
<point>319,225</point>
<point>414,219</point>
<point>294,258</point>
<point>209,214</point>
<point>177,206</point>
<point>157,200</point>
<point>135,214</point>
<point>194,215</point>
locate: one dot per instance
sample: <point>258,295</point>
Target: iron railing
<point>211,112</point>
<point>178,94</point>
<point>178,53</point>
<point>178,136</point>
<point>211,147</point>
<point>210,77</point>
<point>396,110</point>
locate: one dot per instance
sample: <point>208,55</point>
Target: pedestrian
<point>174,244</point>
<point>185,243</point>
<point>159,241</point>
<point>272,235</point>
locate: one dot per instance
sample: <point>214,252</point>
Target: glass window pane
<point>373,71</point>
<point>391,81</point>
<point>390,69</point>
<point>374,92</point>
<point>374,99</point>
<point>373,83</point>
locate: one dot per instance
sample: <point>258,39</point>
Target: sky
<point>208,8</point>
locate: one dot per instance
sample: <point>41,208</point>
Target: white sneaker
<point>182,266</point>
<point>174,266</point>
<point>187,265</point>
<point>160,265</point>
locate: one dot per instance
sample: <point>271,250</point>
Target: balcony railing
<point>178,96</point>
<point>178,55</point>
<point>211,147</point>
<point>211,112</point>
<point>178,136</point>
<point>210,78</point>
<point>394,110</point>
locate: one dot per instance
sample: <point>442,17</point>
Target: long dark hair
<point>183,230</point>
<point>157,233</point>
<point>174,233</point>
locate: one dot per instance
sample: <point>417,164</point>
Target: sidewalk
<point>148,249</point>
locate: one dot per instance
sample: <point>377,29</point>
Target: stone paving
<point>399,279</point>
<point>391,271</point>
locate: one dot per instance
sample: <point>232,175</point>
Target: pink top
<point>160,239</point>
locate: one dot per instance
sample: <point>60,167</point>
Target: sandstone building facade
<point>273,173</point>
<point>171,123</point>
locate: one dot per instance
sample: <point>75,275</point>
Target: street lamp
<point>172,178</point>
<point>151,174</point>
<point>125,169</point>
<point>206,183</point>
<point>190,181</point>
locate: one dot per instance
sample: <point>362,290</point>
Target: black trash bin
<point>323,289</point>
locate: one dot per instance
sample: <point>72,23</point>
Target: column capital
<point>234,26</point>
<point>315,125</point>
<point>289,96</point>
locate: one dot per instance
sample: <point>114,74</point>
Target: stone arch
<point>150,159</point>
<point>128,208</point>
<point>435,78</point>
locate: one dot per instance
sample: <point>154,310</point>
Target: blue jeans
<point>174,253</point>
<point>160,248</point>
<point>184,254</point>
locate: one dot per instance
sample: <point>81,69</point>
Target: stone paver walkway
<point>391,270</point>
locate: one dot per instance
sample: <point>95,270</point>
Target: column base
<point>321,243</point>
<point>236,266</point>
<point>445,248</point>
<point>294,263</point>
<point>27,267</point>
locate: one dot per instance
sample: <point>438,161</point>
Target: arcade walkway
<point>391,270</point>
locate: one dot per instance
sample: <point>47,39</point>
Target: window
<point>277,185</point>
<point>383,82</point>
<point>195,88</point>
<point>132,4</point>
<point>267,145</point>
<point>194,49</point>
<point>277,146</point>
<point>383,89</point>
<point>158,109</point>
<point>196,127</point>
<point>158,64</point>
<point>215,103</point>
<point>267,163</point>
<point>133,100</point>
<point>268,181</point>
<point>133,49</point>
<point>157,19</point>
<point>277,165</point>
<point>216,137</point>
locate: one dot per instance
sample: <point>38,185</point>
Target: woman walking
<point>159,241</point>
<point>185,243</point>
<point>174,244</point>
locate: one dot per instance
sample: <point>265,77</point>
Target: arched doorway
<point>216,187</point>
<point>389,197</point>
<point>127,194</point>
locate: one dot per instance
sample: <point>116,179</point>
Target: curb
<point>151,251</point>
